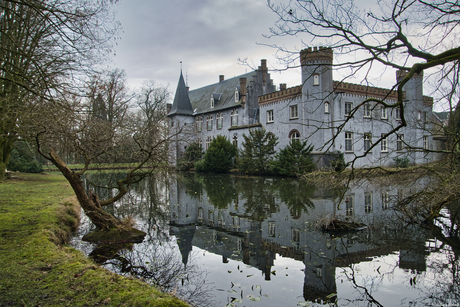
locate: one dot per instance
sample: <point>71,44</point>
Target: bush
<point>23,159</point>
<point>219,157</point>
<point>258,148</point>
<point>401,162</point>
<point>294,159</point>
<point>192,154</point>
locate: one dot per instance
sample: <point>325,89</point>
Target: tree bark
<point>88,201</point>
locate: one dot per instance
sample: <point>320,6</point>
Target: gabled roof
<point>181,104</point>
<point>201,98</point>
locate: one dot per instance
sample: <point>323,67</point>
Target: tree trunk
<point>6,147</point>
<point>90,203</point>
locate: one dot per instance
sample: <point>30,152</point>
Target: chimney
<point>221,78</point>
<point>264,71</point>
<point>243,90</point>
<point>282,86</point>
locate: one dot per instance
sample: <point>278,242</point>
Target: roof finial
<point>186,79</point>
<point>181,67</point>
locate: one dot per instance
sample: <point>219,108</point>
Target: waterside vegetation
<point>37,214</point>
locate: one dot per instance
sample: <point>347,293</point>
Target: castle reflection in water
<point>256,219</point>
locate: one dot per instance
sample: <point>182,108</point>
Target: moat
<point>218,240</point>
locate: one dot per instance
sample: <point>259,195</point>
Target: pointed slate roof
<point>181,104</point>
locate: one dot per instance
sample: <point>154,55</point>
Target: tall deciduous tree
<point>46,48</point>
<point>140,139</point>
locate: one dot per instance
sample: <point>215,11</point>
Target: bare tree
<point>137,140</point>
<point>46,48</point>
<point>415,37</point>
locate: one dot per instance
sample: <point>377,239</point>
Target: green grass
<point>37,212</point>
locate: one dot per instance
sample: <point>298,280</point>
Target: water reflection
<point>255,239</point>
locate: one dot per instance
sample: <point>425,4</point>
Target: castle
<point>323,111</point>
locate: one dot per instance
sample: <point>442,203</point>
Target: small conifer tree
<point>219,157</point>
<point>294,159</point>
<point>258,149</point>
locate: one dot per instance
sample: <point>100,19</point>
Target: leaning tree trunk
<point>90,203</point>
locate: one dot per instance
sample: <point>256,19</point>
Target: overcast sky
<point>208,36</point>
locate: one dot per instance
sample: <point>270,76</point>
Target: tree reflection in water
<point>252,223</point>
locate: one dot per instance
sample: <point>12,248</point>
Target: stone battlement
<point>289,93</point>
<point>367,91</point>
<point>316,54</point>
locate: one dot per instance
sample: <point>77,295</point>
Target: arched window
<point>316,79</point>
<point>326,107</point>
<point>294,135</point>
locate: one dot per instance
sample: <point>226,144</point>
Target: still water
<point>218,240</point>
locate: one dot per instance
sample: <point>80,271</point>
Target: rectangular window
<point>293,112</point>
<point>425,142</point>
<point>235,140</point>
<point>348,141</point>
<point>383,113</point>
<point>349,205</point>
<point>367,141</point>
<point>234,116</point>
<point>385,200</point>
<point>270,117</point>
<point>348,108</point>
<point>271,229</point>
<point>383,143</point>
<point>398,113</point>
<point>368,202</point>
<point>220,119</point>
<point>209,122</point>
<point>199,123</point>
<point>399,141</point>
<point>367,110</point>
<point>295,236</point>
<point>208,141</point>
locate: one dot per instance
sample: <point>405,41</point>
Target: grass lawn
<point>37,212</point>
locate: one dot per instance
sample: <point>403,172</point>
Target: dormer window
<point>212,101</point>
<point>237,95</point>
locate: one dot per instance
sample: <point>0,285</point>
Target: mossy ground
<point>36,267</point>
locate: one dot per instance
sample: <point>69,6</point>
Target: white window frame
<point>348,108</point>
<point>348,141</point>
<point>235,140</point>
<point>367,110</point>
<point>208,142</point>
<point>383,113</point>
<point>398,113</point>
<point>315,79</point>
<point>367,141</point>
<point>234,118</point>
<point>237,95</point>
<point>209,122</point>
<point>212,101</point>
<point>383,143</point>
<point>219,120</point>
<point>293,112</point>
<point>425,142</point>
<point>399,142</point>
<point>270,116</point>
<point>199,123</point>
<point>272,229</point>
<point>326,107</point>
<point>294,135</point>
